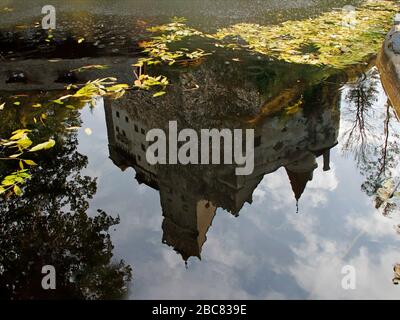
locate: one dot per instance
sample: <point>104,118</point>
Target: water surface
<point>199,231</point>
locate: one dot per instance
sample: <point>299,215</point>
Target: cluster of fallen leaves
<point>325,40</point>
<point>158,50</point>
<point>88,93</point>
<point>15,149</point>
<point>19,144</point>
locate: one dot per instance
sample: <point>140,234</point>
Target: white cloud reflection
<point>269,252</point>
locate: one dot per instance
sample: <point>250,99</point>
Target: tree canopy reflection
<point>49,225</point>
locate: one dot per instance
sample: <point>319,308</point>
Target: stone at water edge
<point>397,19</point>
<point>396,42</point>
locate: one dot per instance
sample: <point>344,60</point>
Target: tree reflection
<point>49,225</point>
<point>372,138</point>
<point>362,95</point>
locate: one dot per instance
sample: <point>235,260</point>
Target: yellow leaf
<point>17,190</point>
<point>24,142</point>
<point>2,106</point>
<point>7,182</point>
<point>15,156</point>
<point>18,135</point>
<point>43,146</point>
<point>30,162</point>
<point>118,87</point>
<point>159,94</point>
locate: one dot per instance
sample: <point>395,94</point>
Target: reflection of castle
<point>191,194</point>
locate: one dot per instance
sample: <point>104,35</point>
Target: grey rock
<point>397,19</point>
<point>396,42</point>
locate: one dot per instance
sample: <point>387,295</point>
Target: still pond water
<point>310,208</point>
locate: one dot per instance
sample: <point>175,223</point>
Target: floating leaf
<point>7,182</point>
<point>90,67</point>
<point>17,190</point>
<point>43,146</point>
<point>18,134</point>
<point>30,162</point>
<point>15,155</point>
<point>118,87</point>
<point>24,143</point>
<point>159,94</point>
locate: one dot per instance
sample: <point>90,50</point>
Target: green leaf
<point>2,190</point>
<point>43,146</point>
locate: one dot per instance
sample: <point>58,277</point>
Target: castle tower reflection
<point>191,194</point>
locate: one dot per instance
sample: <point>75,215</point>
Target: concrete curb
<point>41,74</point>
